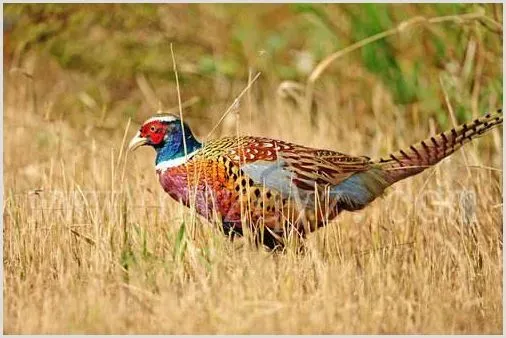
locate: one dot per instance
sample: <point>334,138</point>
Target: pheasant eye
<point>153,128</point>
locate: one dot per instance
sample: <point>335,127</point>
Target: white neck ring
<point>174,162</point>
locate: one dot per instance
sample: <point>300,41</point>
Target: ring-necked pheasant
<point>278,186</point>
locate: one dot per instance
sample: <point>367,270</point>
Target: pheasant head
<point>169,137</point>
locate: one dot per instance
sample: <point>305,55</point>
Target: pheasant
<point>275,188</point>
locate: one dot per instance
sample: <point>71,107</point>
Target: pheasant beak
<point>137,141</point>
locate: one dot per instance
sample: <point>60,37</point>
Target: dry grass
<point>93,245</point>
<point>94,251</point>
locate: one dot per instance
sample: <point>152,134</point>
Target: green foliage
<point>227,41</point>
<point>127,258</point>
<point>180,243</point>
<point>379,57</point>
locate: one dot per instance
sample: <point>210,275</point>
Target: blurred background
<point>93,65</point>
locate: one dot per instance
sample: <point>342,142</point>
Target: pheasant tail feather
<point>419,156</point>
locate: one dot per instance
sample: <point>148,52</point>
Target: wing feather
<point>284,166</point>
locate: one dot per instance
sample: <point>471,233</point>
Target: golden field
<point>92,244</point>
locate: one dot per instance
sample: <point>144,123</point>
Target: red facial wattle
<point>154,131</point>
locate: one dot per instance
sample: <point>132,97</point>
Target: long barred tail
<point>419,156</point>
